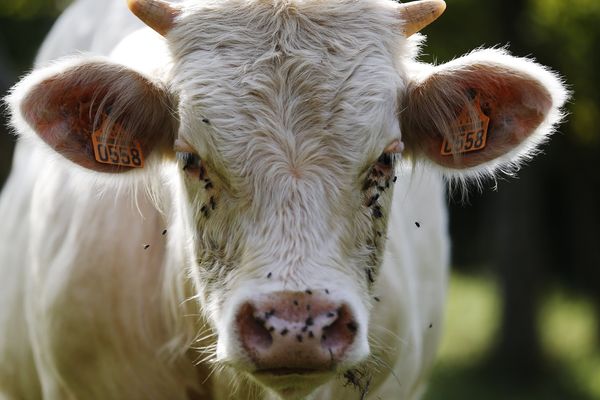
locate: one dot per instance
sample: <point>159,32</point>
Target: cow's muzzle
<point>295,333</point>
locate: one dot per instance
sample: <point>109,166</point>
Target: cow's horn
<point>157,14</point>
<point>418,14</point>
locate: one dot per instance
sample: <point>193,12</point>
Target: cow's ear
<point>100,115</point>
<point>480,112</point>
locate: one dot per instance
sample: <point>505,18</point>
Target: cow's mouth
<point>291,371</point>
<point>293,383</point>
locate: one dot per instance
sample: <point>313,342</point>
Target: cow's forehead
<point>302,83</point>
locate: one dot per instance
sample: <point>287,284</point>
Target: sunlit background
<point>524,300</point>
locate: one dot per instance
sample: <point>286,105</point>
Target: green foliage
<point>569,32</point>
<point>472,320</point>
<point>25,9</point>
<point>465,371</point>
<point>569,335</point>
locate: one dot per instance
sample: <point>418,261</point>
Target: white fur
<point>301,98</point>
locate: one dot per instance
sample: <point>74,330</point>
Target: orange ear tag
<point>472,134</point>
<point>109,150</point>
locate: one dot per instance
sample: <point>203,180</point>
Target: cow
<point>245,199</point>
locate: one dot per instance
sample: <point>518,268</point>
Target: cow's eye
<point>189,160</point>
<point>383,169</point>
<point>386,160</point>
<point>382,172</point>
<point>191,163</point>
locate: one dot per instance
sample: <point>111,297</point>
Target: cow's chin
<point>292,384</point>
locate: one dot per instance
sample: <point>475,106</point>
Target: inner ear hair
<point>430,117</point>
<point>515,103</point>
<point>65,109</point>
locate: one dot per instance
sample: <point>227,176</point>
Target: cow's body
<point>86,283</point>
<point>110,300</point>
<point>97,302</point>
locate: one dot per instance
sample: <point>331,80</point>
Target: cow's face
<point>288,139</point>
<point>286,121</point>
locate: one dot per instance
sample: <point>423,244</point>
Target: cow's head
<point>287,120</point>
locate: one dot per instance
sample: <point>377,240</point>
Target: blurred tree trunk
<point>579,235</point>
<point>519,252</point>
<point>519,262</point>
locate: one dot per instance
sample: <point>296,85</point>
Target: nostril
<point>340,333</point>
<point>252,330</point>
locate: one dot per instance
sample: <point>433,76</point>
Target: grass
<point>568,337</point>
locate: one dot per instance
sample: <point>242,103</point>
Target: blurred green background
<point>523,318</point>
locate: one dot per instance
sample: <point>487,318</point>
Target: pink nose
<point>296,331</point>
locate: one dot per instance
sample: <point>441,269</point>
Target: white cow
<point>203,210</point>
